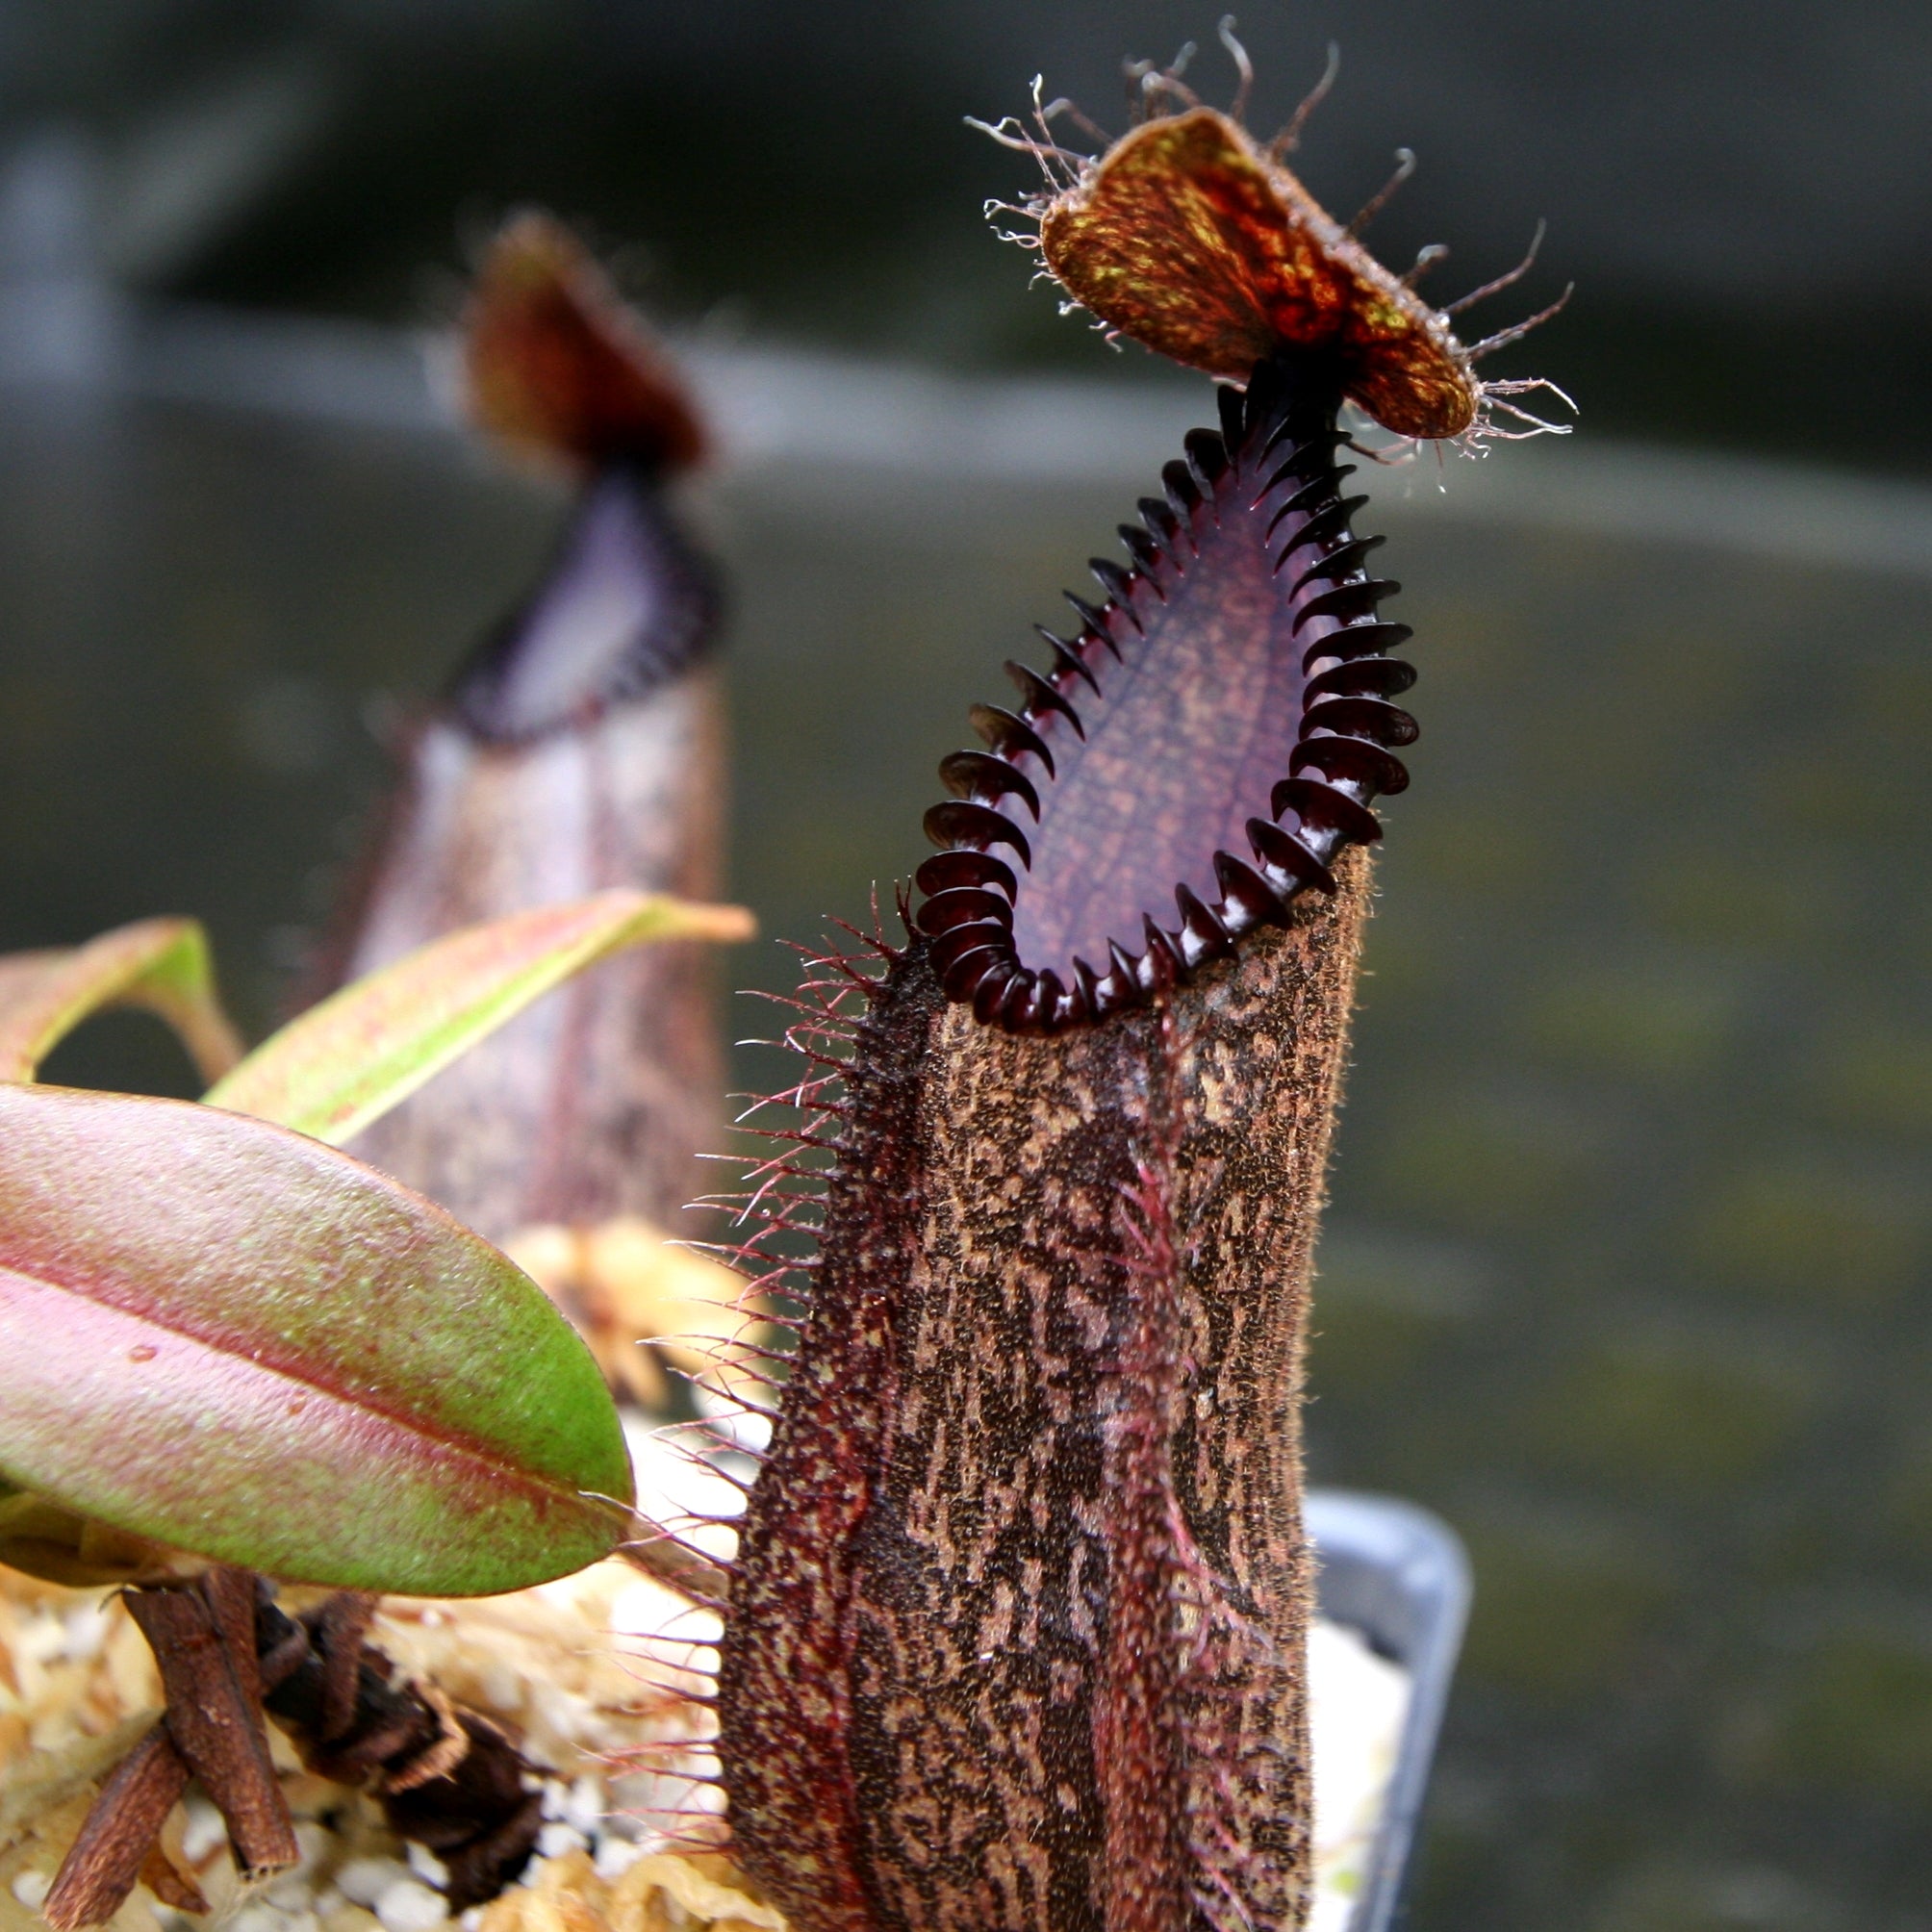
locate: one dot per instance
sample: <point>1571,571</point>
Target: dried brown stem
<point>231,1601</point>
<point>214,1722</point>
<point>447,1779</point>
<point>109,1856</point>
<point>344,1624</point>
<point>169,1883</point>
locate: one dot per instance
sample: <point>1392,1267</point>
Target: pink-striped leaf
<point>162,964</point>
<point>235,1341</point>
<point>347,1062</point>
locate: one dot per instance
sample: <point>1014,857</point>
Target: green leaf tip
<point>349,1061</point>
<point>160,964</point>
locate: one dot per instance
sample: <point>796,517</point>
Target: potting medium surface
<point>580,1669</point>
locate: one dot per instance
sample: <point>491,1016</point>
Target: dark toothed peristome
<point>1197,753</point>
<point>1016,1635</point>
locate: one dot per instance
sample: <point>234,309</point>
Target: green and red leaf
<point>224,1338</point>
<point>161,964</point>
<point>349,1061</point>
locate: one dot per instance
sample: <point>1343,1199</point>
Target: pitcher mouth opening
<point>1198,752</point>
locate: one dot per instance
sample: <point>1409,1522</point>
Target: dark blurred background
<point>1739,187</point>
<point>1629,1270</point>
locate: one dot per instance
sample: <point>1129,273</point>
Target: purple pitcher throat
<point>1198,752</point>
<point>624,605</point>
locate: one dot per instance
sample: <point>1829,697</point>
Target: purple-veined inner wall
<point>1184,746</point>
